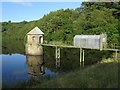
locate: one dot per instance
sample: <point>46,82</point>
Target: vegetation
<point>62,25</point>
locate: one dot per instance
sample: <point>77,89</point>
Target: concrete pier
<point>34,49</point>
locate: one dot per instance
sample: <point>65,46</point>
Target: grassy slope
<point>102,75</point>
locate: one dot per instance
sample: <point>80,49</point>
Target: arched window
<point>33,38</point>
<point>40,39</point>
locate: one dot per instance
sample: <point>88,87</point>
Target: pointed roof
<point>35,30</point>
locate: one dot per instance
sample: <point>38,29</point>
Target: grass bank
<point>101,75</point>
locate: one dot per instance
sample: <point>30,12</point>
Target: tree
<point>9,21</point>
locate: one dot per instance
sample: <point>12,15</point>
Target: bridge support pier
<point>81,57</point>
<point>57,54</point>
<point>116,55</point>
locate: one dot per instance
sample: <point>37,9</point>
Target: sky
<point>29,11</point>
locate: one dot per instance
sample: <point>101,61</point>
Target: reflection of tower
<point>35,64</point>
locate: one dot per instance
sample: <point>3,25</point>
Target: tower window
<point>40,39</point>
<point>33,38</point>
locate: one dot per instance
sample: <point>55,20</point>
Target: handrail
<point>79,47</point>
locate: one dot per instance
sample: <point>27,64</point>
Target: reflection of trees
<point>70,58</point>
<point>11,47</point>
<point>49,58</point>
<point>35,64</point>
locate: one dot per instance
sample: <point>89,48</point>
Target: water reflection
<point>18,67</point>
<point>35,64</point>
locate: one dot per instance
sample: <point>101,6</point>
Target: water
<point>17,67</point>
<point>14,68</point>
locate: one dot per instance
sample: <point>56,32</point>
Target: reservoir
<point>17,67</point>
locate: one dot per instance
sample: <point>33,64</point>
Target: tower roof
<point>36,30</point>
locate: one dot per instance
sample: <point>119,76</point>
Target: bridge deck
<point>65,46</point>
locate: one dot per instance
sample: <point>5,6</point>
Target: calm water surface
<point>16,69</point>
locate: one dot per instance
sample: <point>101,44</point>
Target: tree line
<point>64,24</point>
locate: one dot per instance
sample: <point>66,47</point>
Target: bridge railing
<point>70,43</point>
<point>59,42</point>
<point>113,46</point>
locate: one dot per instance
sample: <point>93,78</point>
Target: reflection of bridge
<point>57,52</point>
